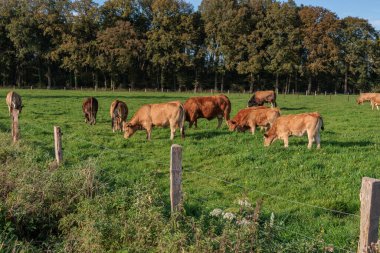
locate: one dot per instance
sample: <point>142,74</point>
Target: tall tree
<point>319,36</point>
<point>168,37</point>
<point>357,41</point>
<point>78,49</point>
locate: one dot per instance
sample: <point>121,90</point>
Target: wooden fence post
<point>369,213</point>
<point>15,127</point>
<point>58,145</point>
<point>175,176</point>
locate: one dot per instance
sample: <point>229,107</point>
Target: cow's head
<point>269,138</point>
<point>254,101</point>
<point>231,125</point>
<point>359,101</point>
<point>129,129</point>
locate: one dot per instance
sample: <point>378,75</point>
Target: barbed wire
<point>274,196</point>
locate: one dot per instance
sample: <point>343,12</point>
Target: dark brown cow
<point>119,113</point>
<point>296,125</point>
<point>207,107</point>
<point>13,101</point>
<point>90,108</point>
<point>260,97</point>
<point>250,118</point>
<point>169,114</point>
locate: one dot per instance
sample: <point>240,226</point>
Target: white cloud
<point>375,23</point>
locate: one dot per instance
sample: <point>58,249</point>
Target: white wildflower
<point>271,223</point>
<point>244,202</point>
<point>229,216</point>
<point>243,222</point>
<point>216,212</point>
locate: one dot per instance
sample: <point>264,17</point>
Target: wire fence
<point>31,130</point>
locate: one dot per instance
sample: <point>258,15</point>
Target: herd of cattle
<point>174,114</point>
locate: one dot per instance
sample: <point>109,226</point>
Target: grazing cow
<point>13,101</point>
<point>296,125</point>
<point>261,97</point>
<point>250,118</point>
<point>119,113</point>
<point>365,97</point>
<point>211,107</point>
<point>375,101</point>
<point>90,108</point>
<point>170,114</point>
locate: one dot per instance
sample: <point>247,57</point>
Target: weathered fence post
<point>58,145</point>
<point>348,97</point>
<point>175,177</point>
<point>228,92</point>
<point>162,89</point>
<point>369,213</point>
<point>15,128</point>
<point>145,89</point>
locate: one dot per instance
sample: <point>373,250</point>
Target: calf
<point>90,109</point>
<point>14,102</point>
<point>119,113</point>
<point>296,125</point>
<point>207,107</point>
<point>365,97</point>
<point>250,118</point>
<point>170,114</point>
<point>260,97</point>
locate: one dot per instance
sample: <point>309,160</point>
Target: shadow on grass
<point>205,134</point>
<point>293,109</point>
<point>348,143</point>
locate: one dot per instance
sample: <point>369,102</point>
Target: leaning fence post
<point>175,176</point>
<point>369,213</point>
<point>15,128</point>
<point>58,144</point>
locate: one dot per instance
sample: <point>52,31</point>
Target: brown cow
<point>296,125</point>
<point>165,114</point>
<point>250,118</point>
<point>90,109</point>
<point>119,113</point>
<point>211,107</point>
<point>375,101</point>
<point>13,101</point>
<point>365,97</point>
<point>261,97</point>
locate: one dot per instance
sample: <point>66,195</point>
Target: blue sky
<point>368,9</point>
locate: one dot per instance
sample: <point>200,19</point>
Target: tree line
<point>226,44</point>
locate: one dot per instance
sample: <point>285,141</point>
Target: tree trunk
<point>216,81</point>
<point>251,82</point>
<point>162,78</point>
<point>276,87</point>
<point>48,76</point>
<point>295,82</point>
<point>289,82</point>
<point>105,81</point>
<point>222,84</point>
<point>346,80</point>
<point>309,86</point>
<point>75,80</point>
<point>18,81</point>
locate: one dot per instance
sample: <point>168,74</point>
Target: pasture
<point>220,167</point>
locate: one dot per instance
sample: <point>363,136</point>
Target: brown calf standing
<point>296,125</point>
<point>260,97</point>
<point>207,107</point>
<point>365,97</point>
<point>90,109</point>
<point>170,114</point>
<point>251,117</point>
<point>119,113</point>
<point>13,101</point>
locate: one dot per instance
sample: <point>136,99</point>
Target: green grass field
<point>220,167</point>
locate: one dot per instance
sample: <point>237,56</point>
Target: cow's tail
<point>321,123</point>
<point>181,121</point>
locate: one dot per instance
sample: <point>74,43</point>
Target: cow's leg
<point>310,137</point>
<point>286,141</point>
<point>220,121</point>
<point>190,123</point>
<point>318,140</point>
<point>9,109</point>
<point>148,133</point>
<point>172,132</point>
<point>196,123</point>
<point>253,127</point>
